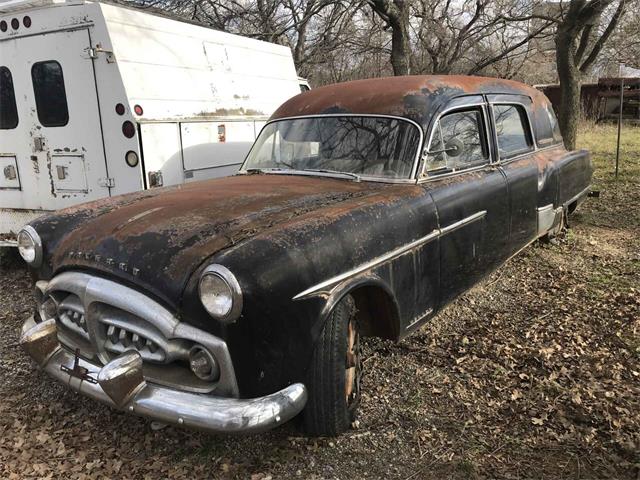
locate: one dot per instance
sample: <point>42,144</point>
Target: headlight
<point>30,246</point>
<point>220,293</point>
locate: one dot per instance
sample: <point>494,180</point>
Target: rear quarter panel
<point>575,171</point>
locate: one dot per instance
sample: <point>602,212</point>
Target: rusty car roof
<point>416,97</point>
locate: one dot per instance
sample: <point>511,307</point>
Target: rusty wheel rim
<point>353,365</point>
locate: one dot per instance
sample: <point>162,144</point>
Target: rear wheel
<point>334,376</point>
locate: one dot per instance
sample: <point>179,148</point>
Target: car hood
<point>157,239</point>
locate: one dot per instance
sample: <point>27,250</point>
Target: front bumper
<point>120,384</point>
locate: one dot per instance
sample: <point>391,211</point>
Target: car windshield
<point>356,146</point>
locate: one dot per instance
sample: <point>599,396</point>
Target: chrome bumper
<point>120,384</point>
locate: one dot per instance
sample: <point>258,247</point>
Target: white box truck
<point>98,99</point>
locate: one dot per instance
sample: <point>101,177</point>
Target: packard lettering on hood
<point>363,208</point>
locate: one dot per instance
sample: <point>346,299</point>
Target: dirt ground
<point>533,374</point>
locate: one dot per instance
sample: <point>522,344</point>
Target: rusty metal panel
<point>415,97</point>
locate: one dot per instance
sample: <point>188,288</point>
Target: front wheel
<point>334,376</point>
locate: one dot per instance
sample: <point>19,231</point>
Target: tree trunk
<point>400,50</point>
<point>570,82</point>
<point>396,15</point>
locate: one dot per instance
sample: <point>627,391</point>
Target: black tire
<point>333,380</point>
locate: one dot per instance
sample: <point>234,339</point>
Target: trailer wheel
<point>334,376</point>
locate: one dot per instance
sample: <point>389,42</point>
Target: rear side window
<point>458,143</point>
<point>555,126</point>
<point>51,97</point>
<point>8,109</point>
<point>547,127</point>
<point>512,130</point>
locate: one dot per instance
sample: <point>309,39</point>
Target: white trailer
<point>99,100</point>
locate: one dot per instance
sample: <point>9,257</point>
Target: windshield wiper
<point>355,176</point>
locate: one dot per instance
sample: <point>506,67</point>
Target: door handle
<point>62,172</point>
<point>10,172</point>
<point>39,144</point>
<point>155,179</point>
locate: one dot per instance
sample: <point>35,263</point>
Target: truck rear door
<point>53,156</point>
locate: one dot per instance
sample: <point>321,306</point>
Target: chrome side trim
<point>577,197</point>
<point>120,385</point>
<point>460,223</point>
<point>545,218</point>
<point>548,218</point>
<point>437,233</point>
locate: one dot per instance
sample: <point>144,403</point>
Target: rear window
<point>51,97</point>
<point>8,109</point>
<point>512,129</point>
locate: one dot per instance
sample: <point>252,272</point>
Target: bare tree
<point>579,41</point>
<point>395,14</point>
<point>624,45</point>
<point>465,36</point>
<point>338,40</point>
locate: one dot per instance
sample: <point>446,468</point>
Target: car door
<point>515,149</point>
<point>470,194</point>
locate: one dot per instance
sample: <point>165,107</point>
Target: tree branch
<point>597,47</point>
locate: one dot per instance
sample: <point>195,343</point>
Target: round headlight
<point>220,293</point>
<point>30,246</point>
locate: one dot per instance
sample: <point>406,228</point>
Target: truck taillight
<point>120,109</point>
<point>138,110</point>
<point>15,23</point>
<point>131,158</point>
<point>3,26</point>
<point>128,129</point>
<point>26,21</point>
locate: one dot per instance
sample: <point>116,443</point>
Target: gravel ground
<point>533,374</point>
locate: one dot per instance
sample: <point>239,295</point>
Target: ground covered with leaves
<point>533,374</point>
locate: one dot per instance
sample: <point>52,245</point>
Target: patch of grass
<point>467,467</point>
<point>601,140</point>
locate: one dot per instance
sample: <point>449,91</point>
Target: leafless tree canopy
<point>337,40</point>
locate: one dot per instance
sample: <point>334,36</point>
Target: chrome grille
<point>71,316</point>
<point>103,319</point>
<point>119,339</point>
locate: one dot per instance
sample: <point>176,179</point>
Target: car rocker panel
<point>365,206</point>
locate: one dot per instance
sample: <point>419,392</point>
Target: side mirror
<point>453,148</point>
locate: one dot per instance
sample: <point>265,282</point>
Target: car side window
<point>8,109</point>
<point>458,143</point>
<point>51,96</point>
<point>512,130</point>
<point>555,126</point>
